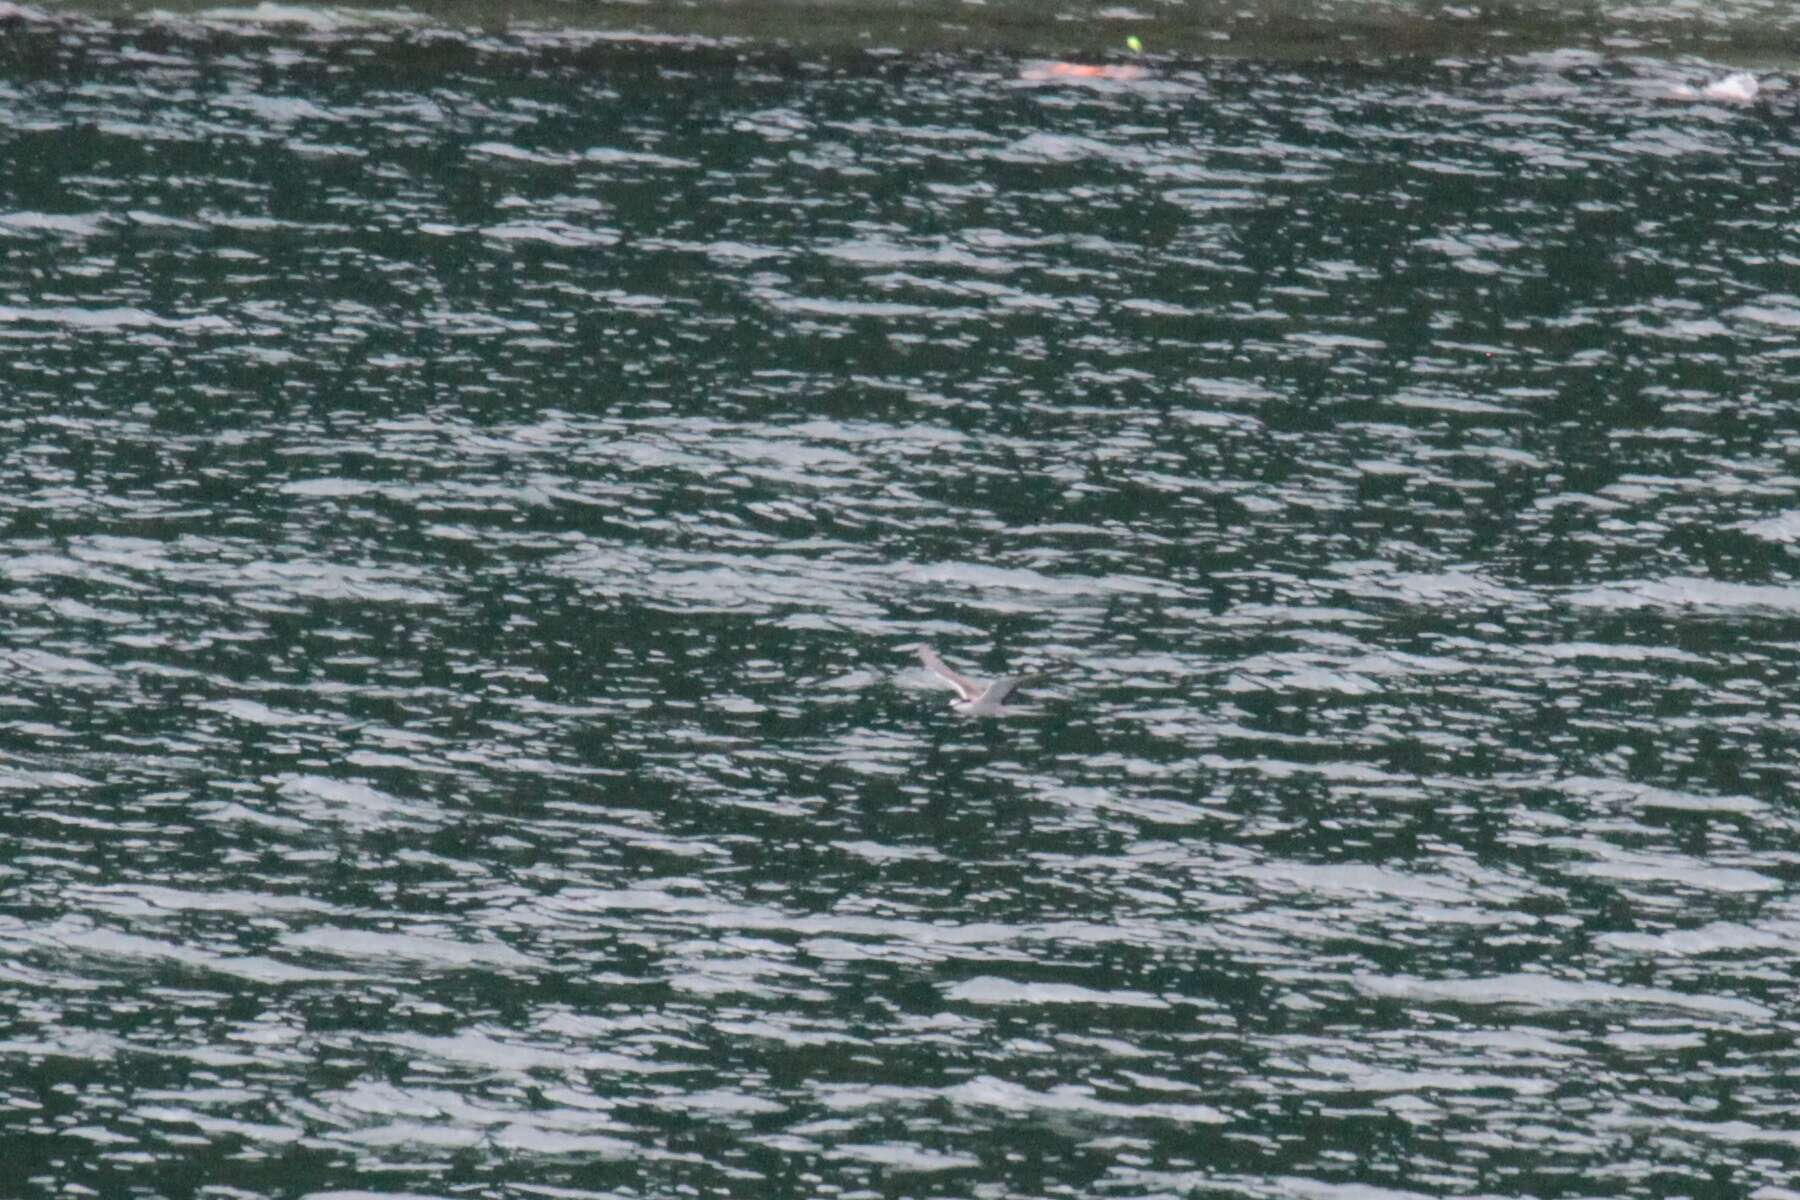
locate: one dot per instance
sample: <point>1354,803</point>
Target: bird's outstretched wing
<point>1001,688</point>
<point>967,688</point>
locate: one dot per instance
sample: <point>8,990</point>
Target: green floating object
<point>1132,44</point>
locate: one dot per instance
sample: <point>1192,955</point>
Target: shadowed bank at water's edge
<point>1757,32</point>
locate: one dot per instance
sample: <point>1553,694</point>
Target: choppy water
<point>466,513</point>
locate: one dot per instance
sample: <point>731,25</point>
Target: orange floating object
<point>1073,70</point>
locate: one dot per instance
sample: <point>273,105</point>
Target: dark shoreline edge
<point>846,34</point>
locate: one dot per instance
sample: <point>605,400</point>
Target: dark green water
<point>467,506</point>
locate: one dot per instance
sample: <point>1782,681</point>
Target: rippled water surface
<point>467,511</point>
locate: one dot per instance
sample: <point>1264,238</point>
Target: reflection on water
<point>467,518</point>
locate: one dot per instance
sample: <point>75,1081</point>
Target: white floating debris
<point>1739,87</point>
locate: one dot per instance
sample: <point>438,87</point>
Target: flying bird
<point>976,699</point>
